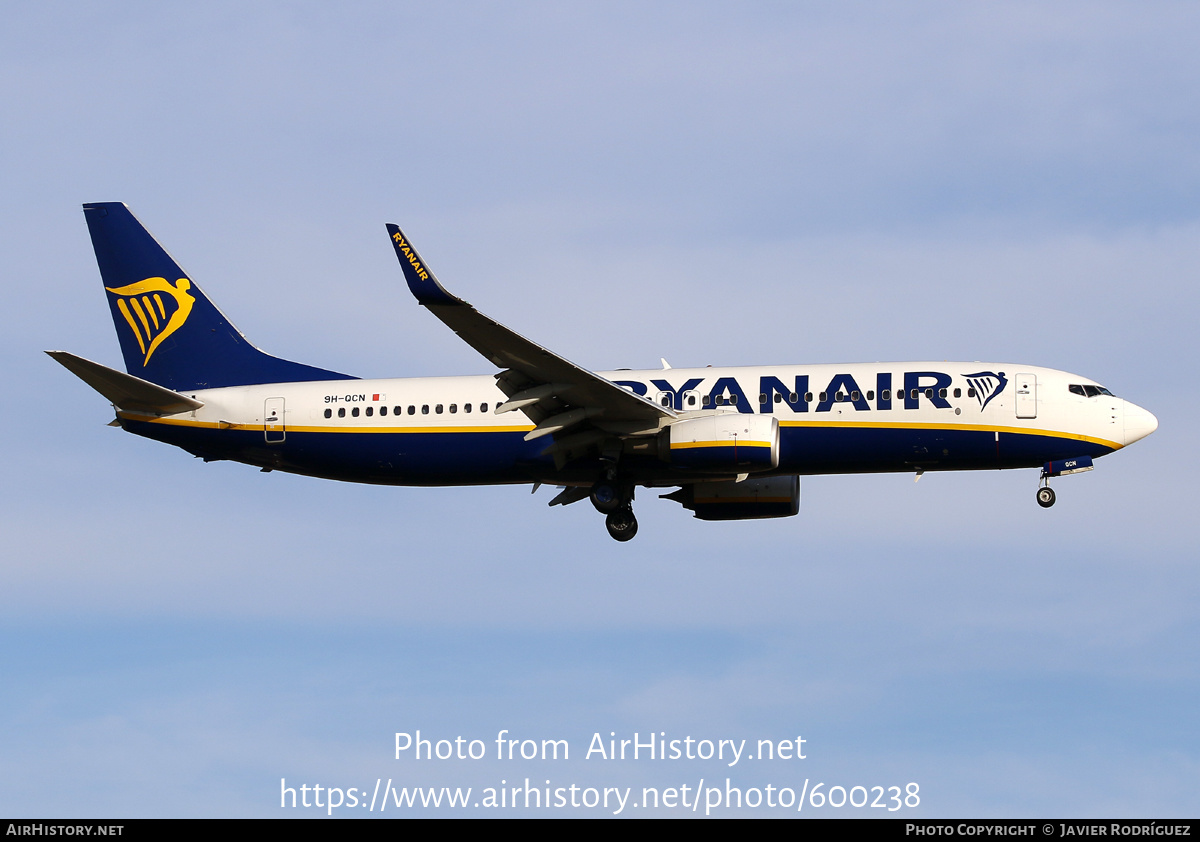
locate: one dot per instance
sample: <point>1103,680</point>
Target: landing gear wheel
<point>1045,496</point>
<point>606,497</point>
<point>622,525</point>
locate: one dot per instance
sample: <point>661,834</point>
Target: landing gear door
<point>1027,396</point>
<point>273,428</point>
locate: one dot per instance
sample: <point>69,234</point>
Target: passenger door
<point>1027,396</point>
<point>273,429</point>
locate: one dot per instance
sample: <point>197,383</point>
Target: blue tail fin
<point>170,333</point>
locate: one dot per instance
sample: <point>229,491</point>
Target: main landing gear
<point>615,499</point>
<point>606,496</point>
<point>622,525</point>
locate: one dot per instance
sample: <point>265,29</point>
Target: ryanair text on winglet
<point>412,257</point>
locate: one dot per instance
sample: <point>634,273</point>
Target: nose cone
<point>1138,423</point>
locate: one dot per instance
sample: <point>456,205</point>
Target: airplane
<point>732,442</point>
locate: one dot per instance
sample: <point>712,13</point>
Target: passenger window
<point>466,407</point>
<point>779,397</point>
<point>483,407</point>
<point>329,413</point>
<point>453,408</point>
<point>354,412</point>
<point>870,394</point>
<point>733,398</point>
<point>855,395</point>
<point>958,393</point>
<point>720,400</point>
<point>341,412</point>
<point>707,400</point>
<point>792,398</point>
<point>383,410</point>
<point>886,395</point>
<point>970,391</point>
<point>412,410</point>
<point>370,411</point>
<point>438,409</point>
<point>824,396</point>
<point>839,397</point>
<point>941,393</point>
<point>425,409</point>
<point>914,394</point>
<point>808,397</point>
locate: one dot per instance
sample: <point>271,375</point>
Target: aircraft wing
<point>555,393</point>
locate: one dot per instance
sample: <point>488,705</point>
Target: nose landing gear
<point>1060,468</point>
<point>1045,496</point>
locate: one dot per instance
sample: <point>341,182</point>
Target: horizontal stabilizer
<point>124,390</point>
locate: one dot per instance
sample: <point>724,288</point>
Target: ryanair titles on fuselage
<point>801,394</point>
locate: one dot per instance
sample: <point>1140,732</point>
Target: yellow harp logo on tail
<point>154,309</point>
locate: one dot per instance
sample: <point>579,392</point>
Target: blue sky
<point>780,183</point>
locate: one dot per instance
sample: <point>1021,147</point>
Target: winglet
<point>421,281</point>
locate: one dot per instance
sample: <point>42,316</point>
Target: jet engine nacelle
<point>729,442</point>
<point>751,498</point>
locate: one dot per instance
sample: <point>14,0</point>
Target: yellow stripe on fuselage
<point>226,425</point>
<point>524,428</point>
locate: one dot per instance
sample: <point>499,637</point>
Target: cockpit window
<point>1089,391</point>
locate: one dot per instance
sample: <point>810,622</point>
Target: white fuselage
<point>832,418</point>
